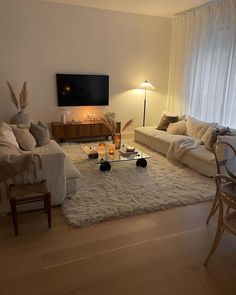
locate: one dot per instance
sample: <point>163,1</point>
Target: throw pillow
<point>25,139</point>
<point>7,135</point>
<point>211,135</point>
<point>196,128</point>
<point>40,132</point>
<point>209,138</point>
<point>165,121</point>
<point>177,128</point>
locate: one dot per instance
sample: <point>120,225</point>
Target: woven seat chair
<point>221,158</point>
<point>227,198</point>
<point>29,193</point>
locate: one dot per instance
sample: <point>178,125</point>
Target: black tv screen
<point>82,90</point>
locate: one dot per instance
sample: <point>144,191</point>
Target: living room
<point>127,180</point>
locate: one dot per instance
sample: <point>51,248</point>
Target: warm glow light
<point>145,85</point>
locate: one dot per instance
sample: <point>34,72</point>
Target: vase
<point>20,118</point>
<point>116,138</point>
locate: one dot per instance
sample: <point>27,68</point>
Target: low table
<point>106,159</point>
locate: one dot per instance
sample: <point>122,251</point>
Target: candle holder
<point>117,140</point>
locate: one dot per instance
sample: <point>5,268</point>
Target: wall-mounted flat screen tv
<point>82,90</point>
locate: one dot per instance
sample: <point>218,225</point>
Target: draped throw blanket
<point>181,146</point>
<point>16,163</point>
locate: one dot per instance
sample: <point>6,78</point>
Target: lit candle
<point>102,145</point>
<point>111,149</point>
<point>101,148</point>
<point>130,148</point>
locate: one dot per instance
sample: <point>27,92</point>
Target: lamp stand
<point>144,108</point>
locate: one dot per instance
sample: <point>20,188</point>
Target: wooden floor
<point>156,253</point>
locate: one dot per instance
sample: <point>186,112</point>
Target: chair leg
<point>215,206</point>
<point>14,215</point>
<point>45,205</point>
<point>218,236</point>
<point>49,209</point>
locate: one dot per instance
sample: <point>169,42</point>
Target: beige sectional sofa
<point>199,159</point>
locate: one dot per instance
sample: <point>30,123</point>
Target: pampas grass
<point>13,95</point>
<point>109,120</point>
<point>23,97</point>
<point>129,123</point>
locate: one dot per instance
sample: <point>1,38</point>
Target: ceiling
<point>165,8</point>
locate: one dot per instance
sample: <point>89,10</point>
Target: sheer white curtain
<point>203,63</point>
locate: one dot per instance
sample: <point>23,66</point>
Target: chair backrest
<point>227,190</point>
<point>223,151</point>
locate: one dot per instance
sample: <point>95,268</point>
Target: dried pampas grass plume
<point>109,120</point>
<point>23,97</point>
<point>129,123</point>
<point>13,96</point>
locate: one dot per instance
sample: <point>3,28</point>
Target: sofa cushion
<point>196,128</point>
<point>209,138</point>
<point>200,160</point>
<point>40,132</point>
<point>177,128</point>
<point>52,148</point>
<point>7,134</point>
<point>25,139</point>
<point>165,121</point>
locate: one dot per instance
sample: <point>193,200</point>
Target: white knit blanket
<point>179,147</point>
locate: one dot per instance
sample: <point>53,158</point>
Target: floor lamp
<point>145,85</point>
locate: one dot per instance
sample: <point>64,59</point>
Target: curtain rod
<point>194,8</point>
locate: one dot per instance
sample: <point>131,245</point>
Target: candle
<point>117,140</point>
<point>130,148</point>
<point>111,149</point>
<point>102,145</point>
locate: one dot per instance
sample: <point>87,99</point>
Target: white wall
<point>39,39</point>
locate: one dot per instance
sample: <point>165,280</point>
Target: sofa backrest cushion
<point>196,128</point>
<point>40,133</point>
<point>25,139</point>
<point>7,135</point>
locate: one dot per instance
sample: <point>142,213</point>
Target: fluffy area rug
<point>129,190</point>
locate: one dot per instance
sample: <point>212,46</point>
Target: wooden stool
<point>29,193</point>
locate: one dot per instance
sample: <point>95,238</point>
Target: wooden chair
<point>29,193</point>
<point>221,159</point>
<point>227,197</point>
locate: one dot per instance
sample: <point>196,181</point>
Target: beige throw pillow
<point>25,139</point>
<point>209,138</point>
<point>177,128</point>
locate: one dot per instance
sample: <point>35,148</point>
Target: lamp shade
<point>145,85</point>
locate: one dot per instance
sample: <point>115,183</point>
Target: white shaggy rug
<point>129,190</point>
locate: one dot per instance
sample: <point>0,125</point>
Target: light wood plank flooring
<point>156,253</point>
